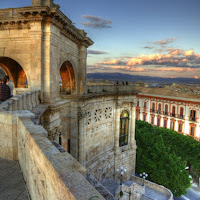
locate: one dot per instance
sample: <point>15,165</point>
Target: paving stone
<point>12,185</point>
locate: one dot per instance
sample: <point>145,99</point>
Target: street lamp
<point>121,171</point>
<point>143,175</point>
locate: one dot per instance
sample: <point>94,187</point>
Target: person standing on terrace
<point>11,85</point>
<point>4,91</point>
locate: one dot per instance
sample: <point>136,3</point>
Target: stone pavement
<point>150,194</point>
<point>12,185</point>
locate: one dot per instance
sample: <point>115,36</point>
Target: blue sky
<point>142,37</point>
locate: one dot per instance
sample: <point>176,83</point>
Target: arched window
<point>153,107</point>
<point>166,109</point>
<point>124,126</point>
<point>181,113</point>
<point>159,108</point>
<point>173,111</point>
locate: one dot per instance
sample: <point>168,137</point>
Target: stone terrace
<point>12,185</point>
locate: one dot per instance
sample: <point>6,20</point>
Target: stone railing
<point>25,101</point>
<point>11,12</point>
<point>153,186</point>
<point>48,173</point>
<point>111,89</point>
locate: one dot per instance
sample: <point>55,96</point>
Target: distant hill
<point>135,78</point>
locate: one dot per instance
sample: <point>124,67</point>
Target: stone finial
<point>42,3</point>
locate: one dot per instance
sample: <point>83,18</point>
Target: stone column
<point>81,86</point>
<point>132,130</point>
<point>81,143</point>
<point>117,125</point>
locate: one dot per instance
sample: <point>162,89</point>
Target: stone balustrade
<point>166,192</point>
<point>111,89</point>
<point>10,12</point>
<point>24,101</point>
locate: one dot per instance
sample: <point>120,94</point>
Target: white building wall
<point>187,104</point>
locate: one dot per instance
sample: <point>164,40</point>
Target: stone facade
<point>177,113</point>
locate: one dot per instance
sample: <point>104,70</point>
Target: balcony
<point>192,119</point>
<point>180,116</point>
<point>153,110</point>
<point>165,113</point>
<point>172,114</point>
<point>159,111</point>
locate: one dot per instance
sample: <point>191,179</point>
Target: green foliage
<point>163,154</point>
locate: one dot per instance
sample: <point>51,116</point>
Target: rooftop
<point>169,92</point>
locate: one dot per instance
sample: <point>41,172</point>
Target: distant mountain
<point>135,78</point>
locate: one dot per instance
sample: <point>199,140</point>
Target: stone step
<point>146,198</point>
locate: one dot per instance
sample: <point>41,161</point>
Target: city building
<point>164,107</point>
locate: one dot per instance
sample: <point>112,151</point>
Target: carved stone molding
<point>81,113</point>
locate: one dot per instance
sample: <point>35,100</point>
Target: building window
<point>152,120</point>
<point>145,104</point>
<point>181,113</point>
<point>192,131</point>
<point>159,108</point>
<point>158,122</point>
<point>172,125</point>
<point>165,123</point>
<point>138,103</point>
<point>166,110</point>
<point>124,126</point>
<point>180,128</point>
<point>192,115</point>
<point>144,117</point>
<point>173,111</point>
<point>153,107</point>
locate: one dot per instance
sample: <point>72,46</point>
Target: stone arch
<point>15,71</point>
<point>68,80</point>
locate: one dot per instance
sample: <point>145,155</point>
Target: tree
<point>163,166</point>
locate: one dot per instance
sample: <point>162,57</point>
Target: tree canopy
<point>163,154</point>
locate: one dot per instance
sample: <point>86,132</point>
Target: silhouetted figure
<point>10,84</point>
<point>122,82</point>
<point>126,82</point>
<point>117,83</point>
<point>4,91</point>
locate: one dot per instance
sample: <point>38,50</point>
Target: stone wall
<point>48,173</point>
<point>110,88</point>
<point>98,133</point>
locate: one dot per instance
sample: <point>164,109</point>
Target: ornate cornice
<point>20,16</point>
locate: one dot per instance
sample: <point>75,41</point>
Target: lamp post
<point>121,171</point>
<point>143,175</point>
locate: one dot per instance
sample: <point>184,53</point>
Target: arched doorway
<point>67,79</point>
<point>16,73</point>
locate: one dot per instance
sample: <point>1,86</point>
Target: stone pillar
<point>81,86</point>
<point>132,130</point>
<point>81,143</point>
<point>117,125</point>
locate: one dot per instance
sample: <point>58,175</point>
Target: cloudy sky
<point>141,37</point>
